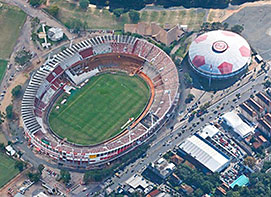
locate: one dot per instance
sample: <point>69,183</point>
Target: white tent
<point>237,124</point>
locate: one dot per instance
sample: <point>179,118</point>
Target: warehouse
<point>203,155</point>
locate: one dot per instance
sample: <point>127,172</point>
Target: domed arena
<point>99,99</point>
<point>219,54</point>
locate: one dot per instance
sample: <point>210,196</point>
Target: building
<point>75,65</point>
<point>264,101</point>
<point>242,180</point>
<point>138,182</point>
<point>203,155</point>
<point>219,54</point>
<point>265,124</point>
<point>176,159</point>
<point>248,112</point>
<point>237,124</point>
<point>209,131</point>
<point>55,34</point>
<point>162,168</point>
<point>165,35</point>
<point>256,106</point>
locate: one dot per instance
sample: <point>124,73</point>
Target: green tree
<point>16,92</point>
<point>36,3</point>
<point>53,10</point>
<point>83,4</point>
<point>134,16</point>
<point>237,29</point>
<point>250,161</point>
<point>23,57</point>
<point>40,168</point>
<point>118,12</point>
<point>9,112</point>
<point>76,25</point>
<point>2,147</point>
<point>188,80</point>
<point>65,176</point>
<point>19,165</point>
<point>207,187</point>
<point>34,176</point>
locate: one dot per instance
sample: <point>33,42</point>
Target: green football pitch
<point>7,170</point>
<point>97,111</point>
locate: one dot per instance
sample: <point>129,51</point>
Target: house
<point>164,35</point>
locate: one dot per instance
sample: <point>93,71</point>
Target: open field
<point>103,19</point>
<point>11,21</point>
<point>97,111</point>
<point>7,170</point>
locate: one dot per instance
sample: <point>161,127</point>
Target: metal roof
<point>219,52</point>
<point>204,153</point>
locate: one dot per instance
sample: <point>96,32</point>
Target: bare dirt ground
<point>219,15</point>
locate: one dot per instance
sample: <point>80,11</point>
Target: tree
<point>118,12</point>
<point>16,92</point>
<point>250,161</point>
<point>34,176</point>
<point>40,168</point>
<point>23,57</point>
<point>65,176</point>
<point>76,25</point>
<point>188,80</point>
<point>207,187</point>
<point>35,3</point>
<point>225,26</point>
<point>2,147</point>
<point>134,16</point>
<point>53,10</point>
<point>237,29</point>
<point>19,165</point>
<point>189,98</point>
<point>9,112</point>
<point>83,4</point>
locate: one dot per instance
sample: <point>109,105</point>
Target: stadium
<point>99,99</point>
<point>219,54</point>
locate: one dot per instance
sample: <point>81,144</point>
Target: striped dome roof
<point>219,52</point>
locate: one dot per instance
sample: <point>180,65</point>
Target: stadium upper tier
<point>219,54</point>
<point>81,61</point>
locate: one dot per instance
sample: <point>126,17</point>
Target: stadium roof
<point>219,52</point>
<point>238,125</point>
<point>204,153</point>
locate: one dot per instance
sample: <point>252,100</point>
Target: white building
<point>55,33</point>
<point>237,124</point>
<point>197,149</point>
<point>219,54</point>
<point>209,131</point>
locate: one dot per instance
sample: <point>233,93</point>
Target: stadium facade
<point>81,61</point>
<point>219,54</point>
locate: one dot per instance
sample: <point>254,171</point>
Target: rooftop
<point>204,153</point>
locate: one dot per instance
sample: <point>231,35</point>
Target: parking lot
<point>257,27</point>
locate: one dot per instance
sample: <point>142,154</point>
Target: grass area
<point>11,22</point>
<point>3,66</point>
<point>103,19</point>
<point>97,111</point>
<point>7,170</point>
